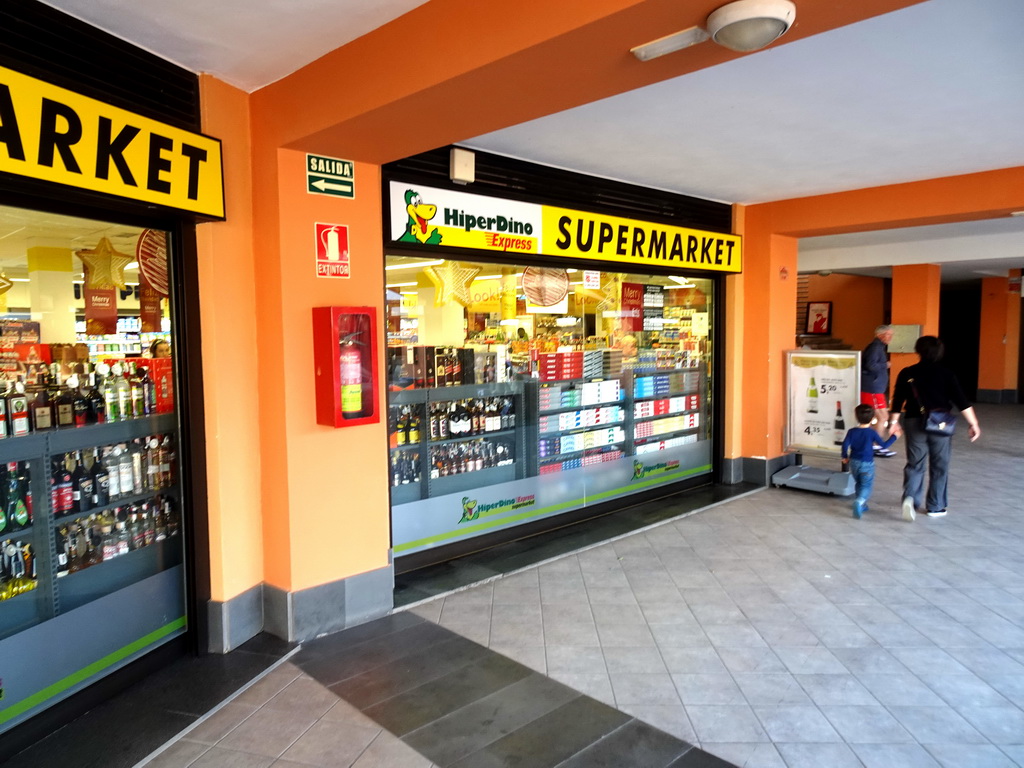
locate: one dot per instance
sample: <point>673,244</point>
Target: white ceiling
<point>936,89</point>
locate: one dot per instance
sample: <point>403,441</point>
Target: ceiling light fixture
<point>749,25</point>
<point>742,25</point>
<point>415,264</point>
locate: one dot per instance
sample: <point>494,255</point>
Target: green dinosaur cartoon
<point>469,510</point>
<point>418,228</point>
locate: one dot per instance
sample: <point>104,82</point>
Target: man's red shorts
<point>875,400</point>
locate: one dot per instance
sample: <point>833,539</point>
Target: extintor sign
<point>332,250</point>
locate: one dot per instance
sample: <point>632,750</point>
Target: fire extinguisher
<point>351,377</point>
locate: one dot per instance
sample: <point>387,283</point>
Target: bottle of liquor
<point>17,512</point>
<point>63,546</point>
<point>126,471</point>
<point>82,491</point>
<point>137,536</point>
<point>79,402</point>
<point>112,460</point>
<point>40,407</point>
<point>401,429</point>
<point>174,521</point>
<point>100,480</point>
<point>168,461</point>
<point>5,427</point>
<point>812,397</point>
<point>414,427</point>
<point>62,493</point>
<point>109,548</point>
<point>17,410</point>
<point>840,424</point>
<point>136,395</point>
<point>148,392</point>
<point>111,403</point>
<point>64,402</point>
<point>123,393</point>
<point>136,455</point>
<point>153,462</point>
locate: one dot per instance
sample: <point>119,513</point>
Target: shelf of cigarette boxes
<point>653,446</point>
<point>669,384</point>
<point>666,406</point>
<point>581,449</point>
<point>588,418</point>
<point>552,398</point>
<point>667,425</point>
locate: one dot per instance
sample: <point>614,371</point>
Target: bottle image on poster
<point>840,424</point>
<point>816,380</point>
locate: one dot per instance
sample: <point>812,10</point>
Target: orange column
<point>227,309</point>
<point>999,345</point>
<point>915,301</point>
<point>767,292</point>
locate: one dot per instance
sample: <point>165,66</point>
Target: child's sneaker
<point>859,508</point>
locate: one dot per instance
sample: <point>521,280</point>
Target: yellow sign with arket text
<point>584,235</point>
<point>57,135</point>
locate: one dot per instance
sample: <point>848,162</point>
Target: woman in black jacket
<point>921,387</point>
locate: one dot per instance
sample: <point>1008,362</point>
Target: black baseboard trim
<point>997,396</point>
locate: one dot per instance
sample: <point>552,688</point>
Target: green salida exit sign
<point>330,176</point>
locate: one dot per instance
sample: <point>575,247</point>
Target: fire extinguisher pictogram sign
<point>332,250</point>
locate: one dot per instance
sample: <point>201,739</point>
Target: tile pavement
<point>776,630</point>
<point>772,630</point>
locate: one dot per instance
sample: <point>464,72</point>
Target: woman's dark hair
<point>930,348</point>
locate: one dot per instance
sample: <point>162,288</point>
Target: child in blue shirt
<point>859,454</point>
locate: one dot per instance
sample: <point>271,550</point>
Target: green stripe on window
<point>459,532</point>
<point>86,672</point>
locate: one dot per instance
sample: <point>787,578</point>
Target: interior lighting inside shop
<point>517,312</point>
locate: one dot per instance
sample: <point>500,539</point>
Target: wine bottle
<point>40,407</point>
<point>840,424</point>
<point>64,402</point>
<point>100,480</point>
<point>812,397</point>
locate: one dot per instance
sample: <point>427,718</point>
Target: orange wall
<point>857,305</point>
<point>999,347</point>
<point>230,355</point>
<point>326,490</point>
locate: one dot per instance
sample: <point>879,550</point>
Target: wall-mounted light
<point>415,264</point>
<point>462,166</point>
<point>742,25</point>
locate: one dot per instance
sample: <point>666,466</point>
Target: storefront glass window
<point>90,508</point>
<point>520,393</point>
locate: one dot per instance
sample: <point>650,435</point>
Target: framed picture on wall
<point>819,317</point>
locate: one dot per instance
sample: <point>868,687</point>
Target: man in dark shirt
<point>874,381</point>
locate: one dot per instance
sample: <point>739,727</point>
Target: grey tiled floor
<point>773,630</point>
<point>776,630</point>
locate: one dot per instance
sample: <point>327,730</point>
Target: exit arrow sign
<point>330,176</point>
<point>5,285</point>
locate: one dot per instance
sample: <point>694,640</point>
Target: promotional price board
<point>822,389</point>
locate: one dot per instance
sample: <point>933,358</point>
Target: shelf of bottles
<point>88,474</point>
<point>452,439</point>
<point>579,423</point>
<point>667,409</point>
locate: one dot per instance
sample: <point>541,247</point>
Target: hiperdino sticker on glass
<point>57,135</point>
<point>429,216</point>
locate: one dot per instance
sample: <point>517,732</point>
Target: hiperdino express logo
<point>641,470</point>
<point>471,509</point>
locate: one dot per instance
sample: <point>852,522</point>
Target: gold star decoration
<point>104,267</point>
<point>452,281</point>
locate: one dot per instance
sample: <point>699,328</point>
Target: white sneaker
<point>909,513</point>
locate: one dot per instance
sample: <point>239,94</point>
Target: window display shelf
<point>602,404</point>
<point>667,415</point>
<point>20,612</point>
<point>667,395</point>
<point>82,438</point>
<point>123,501</point>
<point>108,576</point>
<point>467,481</point>
<point>506,433</point>
<point>569,454</point>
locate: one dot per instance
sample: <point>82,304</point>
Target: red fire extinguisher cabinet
<point>345,358</point>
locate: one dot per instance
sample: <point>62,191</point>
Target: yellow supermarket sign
<point>582,235</point>
<point>426,216</point>
<point>57,135</point>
